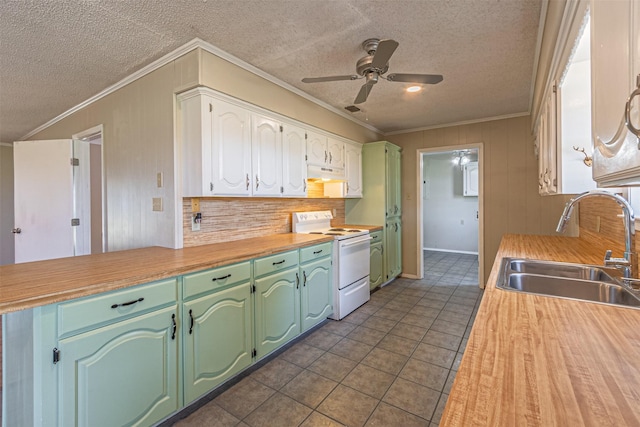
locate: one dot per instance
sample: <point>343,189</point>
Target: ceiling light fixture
<point>461,158</point>
<point>414,89</point>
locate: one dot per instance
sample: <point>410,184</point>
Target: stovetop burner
<point>337,229</point>
<point>355,230</point>
<point>316,232</point>
<point>331,233</point>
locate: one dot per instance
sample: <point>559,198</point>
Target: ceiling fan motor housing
<point>363,66</point>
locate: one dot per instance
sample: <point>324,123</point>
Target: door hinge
<point>75,162</point>
<point>75,222</point>
<point>254,353</point>
<point>56,355</point>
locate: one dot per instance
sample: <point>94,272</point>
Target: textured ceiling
<point>54,54</point>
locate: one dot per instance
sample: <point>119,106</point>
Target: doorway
<point>450,211</point>
<point>98,188</point>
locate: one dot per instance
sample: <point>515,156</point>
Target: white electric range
<point>350,257</point>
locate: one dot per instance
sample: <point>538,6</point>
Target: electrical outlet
<point>159,179</point>
<point>334,213</point>
<point>157,204</point>
<point>195,221</point>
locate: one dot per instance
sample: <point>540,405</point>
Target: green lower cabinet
<point>376,271</point>
<point>277,305</point>
<point>316,292</point>
<point>218,341</point>
<point>122,374</point>
<point>393,247</point>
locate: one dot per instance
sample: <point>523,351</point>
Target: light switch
<point>160,179</point>
<point>157,204</point>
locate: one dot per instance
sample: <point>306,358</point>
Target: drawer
<point>376,237</point>
<point>205,281</point>
<point>95,311</point>
<point>274,263</point>
<point>313,252</point>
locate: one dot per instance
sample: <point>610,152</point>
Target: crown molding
<point>468,122</point>
<point>175,54</point>
<point>6,144</point>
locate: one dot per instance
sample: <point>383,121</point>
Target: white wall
<point>450,221</point>
<point>6,205</point>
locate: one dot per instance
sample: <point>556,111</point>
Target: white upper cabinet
<point>615,64</point>
<point>317,154</point>
<point>353,169</point>
<point>470,171</point>
<point>266,150</point>
<point>294,161</point>
<point>335,148</point>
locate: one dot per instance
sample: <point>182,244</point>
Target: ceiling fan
<point>373,66</point>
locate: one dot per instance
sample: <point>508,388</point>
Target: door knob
<point>16,231</point>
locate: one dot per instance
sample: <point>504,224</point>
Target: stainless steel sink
<point>564,280</point>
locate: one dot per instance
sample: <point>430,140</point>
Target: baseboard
<point>409,276</point>
<point>450,251</point>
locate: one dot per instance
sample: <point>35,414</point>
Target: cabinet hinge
<point>75,222</point>
<point>281,190</point>
<point>555,89</point>
<point>56,355</point>
<point>210,107</point>
<point>75,162</point>
<point>306,136</point>
<point>306,158</point>
<point>281,128</point>
<point>211,186</point>
<point>254,353</point>
<point>253,289</point>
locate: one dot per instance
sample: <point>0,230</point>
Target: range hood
<point>320,173</point>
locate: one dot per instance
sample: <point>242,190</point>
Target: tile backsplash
<point>228,219</point>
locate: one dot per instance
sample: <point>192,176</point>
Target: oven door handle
<point>351,242</point>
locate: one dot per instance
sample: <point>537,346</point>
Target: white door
<point>44,199</point>
<point>266,156</point>
<point>335,148</point>
<point>231,150</point>
<point>294,163</point>
<point>317,153</point>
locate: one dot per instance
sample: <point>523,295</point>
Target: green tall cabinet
<point>381,202</point>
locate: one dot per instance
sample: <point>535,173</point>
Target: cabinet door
<point>471,179</point>
<point>376,276</point>
<point>294,162</point>
<point>353,170</point>
<point>393,247</point>
<point>277,300</point>
<point>266,156</point>
<point>335,148</point>
<point>317,153</point>
<point>615,63</point>
<point>231,149</point>
<point>316,292</point>
<point>217,339</point>
<point>122,374</point>
<point>393,194</point>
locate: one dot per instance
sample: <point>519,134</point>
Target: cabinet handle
<point>190,322</point>
<point>325,156</point>
<point>317,252</point>
<point>257,181</point>
<point>221,278</point>
<point>297,281</point>
<point>395,208</point>
<point>247,181</point>
<point>211,186</point>
<point>279,262</point>
<point>347,188</point>
<point>16,230</point>
<point>396,227</point>
<point>174,327</point>
<point>304,183</point>
<point>330,157</point>
<point>124,304</point>
<point>304,275</point>
<point>627,110</point>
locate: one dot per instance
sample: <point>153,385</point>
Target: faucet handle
<point>607,255</point>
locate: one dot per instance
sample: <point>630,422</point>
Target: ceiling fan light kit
<point>375,65</point>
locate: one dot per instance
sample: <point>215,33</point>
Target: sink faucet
<point>628,264</point>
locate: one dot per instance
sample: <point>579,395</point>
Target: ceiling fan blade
<point>383,53</point>
<point>328,79</point>
<point>430,79</point>
<point>365,90</point>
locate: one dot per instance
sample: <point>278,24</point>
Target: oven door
<point>353,260</point>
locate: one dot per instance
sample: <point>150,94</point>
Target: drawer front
<point>205,281</point>
<point>92,312</point>
<point>315,252</point>
<point>274,263</point>
<point>376,237</point>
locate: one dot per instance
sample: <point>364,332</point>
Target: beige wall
<point>511,200</point>
<point>7,255</point>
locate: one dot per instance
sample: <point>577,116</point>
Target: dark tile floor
<point>390,363</point>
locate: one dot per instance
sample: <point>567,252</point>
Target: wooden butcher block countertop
<point>541,361</point>
<point>40,283</point>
